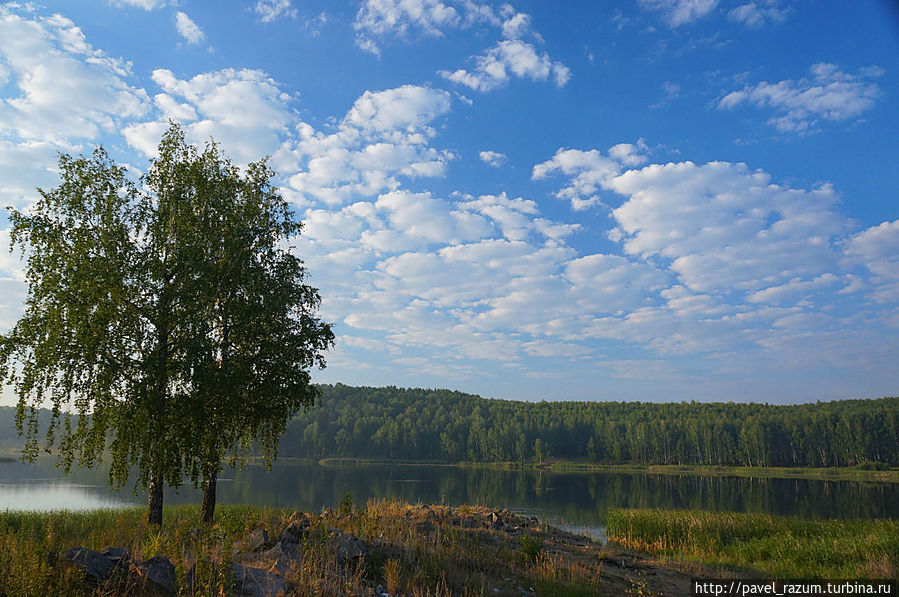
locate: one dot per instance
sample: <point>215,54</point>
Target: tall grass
<point>775,545</point>
<point>413,550</point>
<point>33,544</point>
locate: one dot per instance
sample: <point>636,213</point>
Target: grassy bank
<point>860,473</point>
<point>773,545</point>
<point>410,550</point>
<point>821,474</point>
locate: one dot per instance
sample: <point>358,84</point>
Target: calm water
<point>578,499</point>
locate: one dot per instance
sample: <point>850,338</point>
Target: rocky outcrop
<point>113,568</point>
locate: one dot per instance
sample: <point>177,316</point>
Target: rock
<point>350,548</point>
<point>283,552</point>
<point>258,540</point>
<point>255,582</point>
<point>97,566</point>
<point>295,531</point>
<point>155,576</point>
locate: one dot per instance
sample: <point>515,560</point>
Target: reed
<point>781,546</point>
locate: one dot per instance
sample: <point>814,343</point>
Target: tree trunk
<point>208,508</point>
<point>154,500</point>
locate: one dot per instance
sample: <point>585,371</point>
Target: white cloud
<point>397,17</point>
<point>145,4</point>
<point>269,10</point>
<point>829,94</point>
<point>67,89</point>
<point>877,248</point>
<point>187,29</point>
<point>494,159</point>
<point>510,58</point>
<point>245,110</point>
<point>60,92</point>
<point>723,227</point>
<point>384,135</point>
<point>679,12</point>
<point>589,170</point>
<point>755,14</point>
<point>717,260</point>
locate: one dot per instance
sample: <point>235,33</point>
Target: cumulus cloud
<point>725,227</point>
<point>145,4</point>
<point>494,159</point>
<point>66,89</point>
<point>269,10</point>
<point>245,110</point>
<point>754,14</point>
<point>588,171</point>
<point>829,94</point>
<point>717,259</point>
<point>679,12</point>
<point>510,58</point>
<point>385,134</point>
<point>399,17</point>
<point>877,248</point>
<point>187,29</point>
<point>60,92</point>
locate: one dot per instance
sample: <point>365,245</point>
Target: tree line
<point>450,426</point>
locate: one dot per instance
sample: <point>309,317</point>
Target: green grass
<point>443,559</point>
<point>32,544</point>
<point>867,472</point>
<point>773,545</point>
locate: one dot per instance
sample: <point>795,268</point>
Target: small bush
<point>531,547</point>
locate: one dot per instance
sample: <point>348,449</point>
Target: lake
<point>577,501</point>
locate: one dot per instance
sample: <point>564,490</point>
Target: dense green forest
<point>443,425</point>
<point>418,424</point>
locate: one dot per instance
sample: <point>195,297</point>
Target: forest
<point>450,426</point>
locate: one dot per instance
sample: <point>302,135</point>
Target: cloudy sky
<point>639,200</point>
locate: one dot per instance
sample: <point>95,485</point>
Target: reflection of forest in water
<point>579,498</point>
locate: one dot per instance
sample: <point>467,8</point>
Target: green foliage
<point>345,507</point>
<point>531,547</point>
<point>167,324</point>
<point>777,545</point>
<point>442,425</point>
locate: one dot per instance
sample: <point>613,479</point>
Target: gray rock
<point>255,582</point>
<point>350,548</point>
<point>295,532</point>
<point>283,552</point>
<point>155,576</point>
<point>97,567</point>
<point>258,540</point>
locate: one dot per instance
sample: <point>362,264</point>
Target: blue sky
<point>644,200</point>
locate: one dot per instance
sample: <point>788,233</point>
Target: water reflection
<point>579,499</point>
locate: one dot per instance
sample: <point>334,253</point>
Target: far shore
<point>880,475</point>
<point>565,466</point>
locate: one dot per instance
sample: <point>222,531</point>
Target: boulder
<point>155,576</point>
<point>283,552</point>
<point>258,540</point>
<point>350,548</point>
<point>295,531</point>
<point>97,566</point>
<point>255,582</point>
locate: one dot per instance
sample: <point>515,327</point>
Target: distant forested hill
<point>419,424</point>
<point>443,425</point>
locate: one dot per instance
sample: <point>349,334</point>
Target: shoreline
<point>561,466</point>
